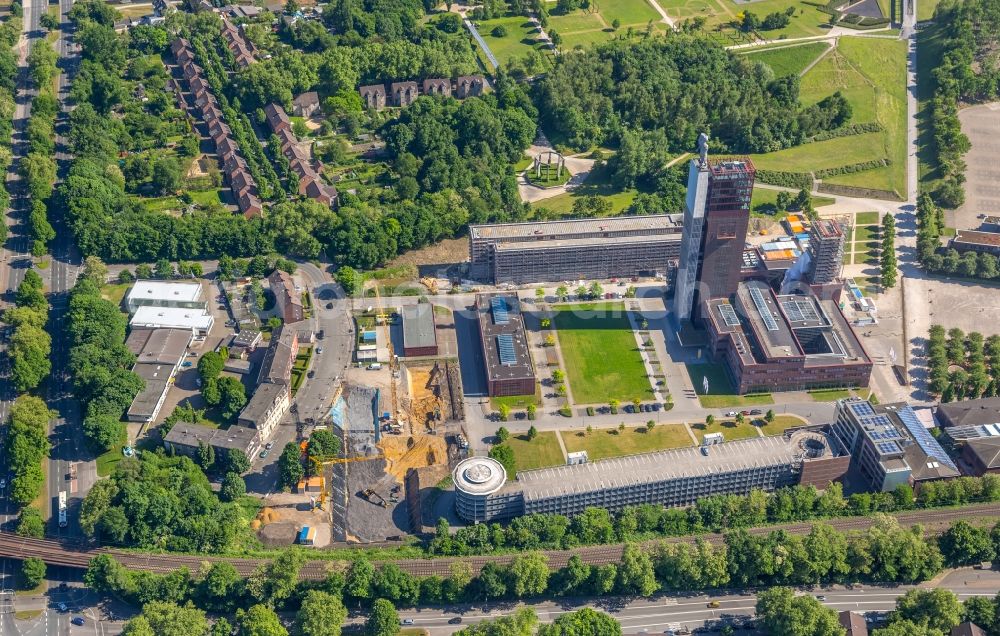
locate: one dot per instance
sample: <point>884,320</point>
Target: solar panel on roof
<point>729,315</point>
<point>765,313</point>
<point>887,448</point>
<point>793,311</point>
<point>499,307</point>
<point>923,437</point>
<point>505,347</point>
<point>861,409</point>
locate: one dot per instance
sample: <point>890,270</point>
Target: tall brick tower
<point>716,216</point>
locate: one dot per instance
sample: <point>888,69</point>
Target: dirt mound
<point>405,452</point>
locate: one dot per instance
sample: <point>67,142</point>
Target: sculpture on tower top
<point>703,149</point>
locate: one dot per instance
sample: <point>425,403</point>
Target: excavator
<point>374,497</point>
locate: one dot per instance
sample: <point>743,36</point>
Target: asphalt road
<point>655,614</point>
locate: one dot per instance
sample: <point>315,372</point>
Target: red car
<point>744,413</point>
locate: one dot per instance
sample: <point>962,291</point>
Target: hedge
<point>853,167</point>
<point>796,180</point>
<point>846,131</point>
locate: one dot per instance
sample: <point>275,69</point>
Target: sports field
<point>806,20</point>
<point>600,352</point>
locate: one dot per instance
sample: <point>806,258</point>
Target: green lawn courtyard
<point>603,443</point>
<point>520,38</point>
<point>720,393</point>
<point>780,424</point>
<point>541,452</point>
<point>730,430</point>
<point>600,353</point>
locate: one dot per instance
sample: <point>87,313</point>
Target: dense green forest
<point>675,88</point>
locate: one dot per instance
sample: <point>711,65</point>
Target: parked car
<point>756,412</point>
<point>329,305</point>
<point>269,446</point>
<point>62,607</point>
<point>731,414</point>
<point>406,621</point>
<point>744,413</point>
<point>3,484</point>
<point>656,406</point>
<point>319,350</point>
<point>455,620</point>
<point>78,621</point>
<point>311,374</point>
<point>263,454</point>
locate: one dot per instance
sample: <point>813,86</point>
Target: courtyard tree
<point>532,433</point>
<point>769,416</point>
<point>505,455</point>
<point>502,435</point>
<point>532,410</point>
<point>709,420</point>
<point>504,412</point>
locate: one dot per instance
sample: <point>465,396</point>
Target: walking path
<point>482,43</point>
<point>663,14</point>
<point>644,354</point>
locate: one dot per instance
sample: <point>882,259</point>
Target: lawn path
<point>562,365</point>
<point>663,14</point>
<point>832,46</point>
<point>634,322</point>
<point>562,445</point>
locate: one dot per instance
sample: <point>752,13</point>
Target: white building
<point>198,321</point>
<point>266,408</point>
<point>158,293</point>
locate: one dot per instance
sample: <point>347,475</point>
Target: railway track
<point>77,555</point>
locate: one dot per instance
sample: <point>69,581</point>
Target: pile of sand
<point>405,452</point>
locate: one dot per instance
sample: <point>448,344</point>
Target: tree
<point>167,175</point>
<point>321,614</point>
<point>709,420</point>
<point>233,487</point>
<point>502,435</point>
<point>32,573</point>
<point>529,575</point>
<point>504,412</point>
<point>782,613</point>
<point>237,461</point>
<point>505,455</point>
<point>769,416</point>
<point>160,618</point>
<point>532,433</point>
<point>532,410</point>
<point>613,403</point>
<point>938,609</point>
<point>965,544</point>
<point>30,524</point>
<point>259,620</point>
<point>290,470</point>
<point>539,294</point>
<point>49,21</point>
<point>981,611</point>
<point>323,444</point>
<point>360,579</point>
<point>888,256</point>
<point>583,622</point>
<point>94,269</point>
<point>635,573</point>
<point>383,620</point>
<point>562,292</point>
<point>210,366</point>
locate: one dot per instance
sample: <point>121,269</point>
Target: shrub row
<point>847,131</point>
<point>797,180</point>
<point>853,167</point>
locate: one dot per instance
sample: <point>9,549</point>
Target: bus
<point>62,509</point>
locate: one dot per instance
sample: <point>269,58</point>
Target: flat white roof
<point>165,291</point>
<point>172,317</point>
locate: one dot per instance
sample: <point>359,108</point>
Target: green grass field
<point>604,443</point>
<point>821,155</point>
<point>541,452</point>
<point>763,200</point>
<point>807,20</point>
<point>579,20</point>
<point>729,429</point>
<point>790,60</point>
<point>720,390</point>
<point>598,184</point>
<point>599,349</point>
<point>780,424</point>
<point>519,40</point>
<point>115,293</point>
<point>829,395</point>
<point>516,402</point>
<point>628,12</point>
<point>866,218</point>
<point>584,39</point>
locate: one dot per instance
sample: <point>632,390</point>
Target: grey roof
<point>854,623</point>
<point>568,227</point>
<point>187,434</point>
<point>277,360</point>
<point>479,475</point>
<point>987,449</point>
<point>490,330</point>
<point>665,465</point>
<point>967,629</point>
<point>418,326</point>
<point>261,401</point>
<point>970,412</point>
<point>159,346</point>
<point>156,377</point>
<point>571,243</point>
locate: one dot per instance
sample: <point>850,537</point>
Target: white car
<point>731,414</point>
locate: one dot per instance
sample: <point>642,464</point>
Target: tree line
<point>968,32</point>
<point>937,259</point>
<point>715,513</point>
<point>885,553</point>
<point>30,346</point>
<point>99,361</point>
